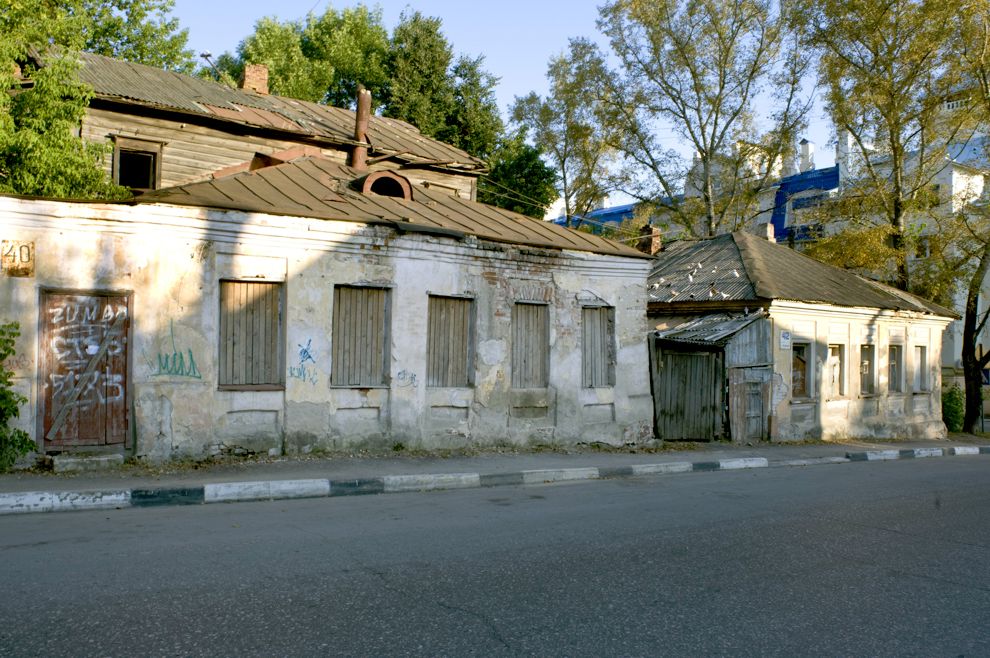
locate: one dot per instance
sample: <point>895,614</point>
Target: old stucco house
<point>299,305</point>
<point>755,341</point>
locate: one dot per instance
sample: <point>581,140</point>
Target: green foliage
<point>419,89</point>
<point>412,75</point>
<point>13,442</point>
<point>566,123</point>
<point>135,31</point>
<point>518,179</point>
<point>40,150</point>
<point>322,59</point>
<point>953,408</point>
<point>887,70</point>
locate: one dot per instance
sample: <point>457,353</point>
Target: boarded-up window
<point>448,342</point>
<point>251,334</point>
<point>530,345</point>
<point>360,337</point>
<point>598,346</point>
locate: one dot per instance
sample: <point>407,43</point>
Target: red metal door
<point>84,373</point>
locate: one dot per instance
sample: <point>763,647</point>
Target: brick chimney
<point>255,78</point>
<point>650,241</point>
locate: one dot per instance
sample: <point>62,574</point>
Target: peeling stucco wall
<point>170,260</point>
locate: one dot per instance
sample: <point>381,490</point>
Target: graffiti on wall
<point>404,378</point>
<point>306,373</point>
<point>84,332</point>
<point>177,363</point>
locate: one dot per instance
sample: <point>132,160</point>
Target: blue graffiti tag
<point>309,374</point>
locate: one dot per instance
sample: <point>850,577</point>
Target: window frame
<point>337,333</point>
<point>920,383</point>
<point>515,378</point>
<point>840,360</point>
<point>867,369</point>
<point>224,338</point>
<point>469,340</point>
<point>136,145</point>
<point>895,368</point>
<point>807,377</point>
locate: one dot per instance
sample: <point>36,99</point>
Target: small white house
<point>755,341</point>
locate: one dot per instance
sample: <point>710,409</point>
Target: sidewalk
<point>336,476</point>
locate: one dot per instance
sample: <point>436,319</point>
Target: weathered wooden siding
<point>530,345</point>
<point>192,152</point>
<point>750,346</point>
<point>449,342</point>
<point>251,332</point>
<point>598,347</point>
<point>360,336</point>
<point>688,394</point>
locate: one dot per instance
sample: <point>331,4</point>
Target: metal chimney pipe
<point>359,156</point>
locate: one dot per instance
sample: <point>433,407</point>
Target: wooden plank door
<point>84,369</point>
<point>749,403</point>
<point>688,395</point>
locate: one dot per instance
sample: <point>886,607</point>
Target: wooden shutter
<point>360,336</point>
<point>530,345</point>
<point>251,334</point>
<point>448,342</point>
<point>598,347</point>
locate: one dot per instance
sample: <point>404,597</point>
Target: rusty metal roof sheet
<point>714,329</point>
<point>741,267</point>
<point>322,189</point>
<point>151,87</point>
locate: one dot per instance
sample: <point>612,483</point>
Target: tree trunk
<point>972,365</point>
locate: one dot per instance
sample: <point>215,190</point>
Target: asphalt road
<point>859,559</point>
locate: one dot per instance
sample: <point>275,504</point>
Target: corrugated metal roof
<point>148,86</point>
<point>714,329</point>
<point>322,189</point>
<point>741,267</point>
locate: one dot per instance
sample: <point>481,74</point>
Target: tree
<point>419,89</point>
<point>700,67</point>
<point>322,59</point>
<point>971,48</point>
<point>518,179</point>
<point>568,129</point>
<point>40,152</point>
<point>138,31</point>
<point>887,74</point>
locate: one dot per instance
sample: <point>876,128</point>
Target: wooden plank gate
<point>688,394</point>
<point>84,368</point>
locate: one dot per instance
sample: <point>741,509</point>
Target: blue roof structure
<point>825,179</point>
<point>611,215</point>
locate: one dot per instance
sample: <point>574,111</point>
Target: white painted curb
<point>559,475</point>
<point>742,462</point>
<point>660,469</point>
<point>397,483</point>
<point>881,455</point>
<point>54,501</point>
<point>927,452</point>
<point>265,490</point>
<point>965,450</point>
<point>811,461</point>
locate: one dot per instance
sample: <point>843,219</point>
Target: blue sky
<point>517,37</point>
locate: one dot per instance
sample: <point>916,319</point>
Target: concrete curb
<point>227,492</point>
